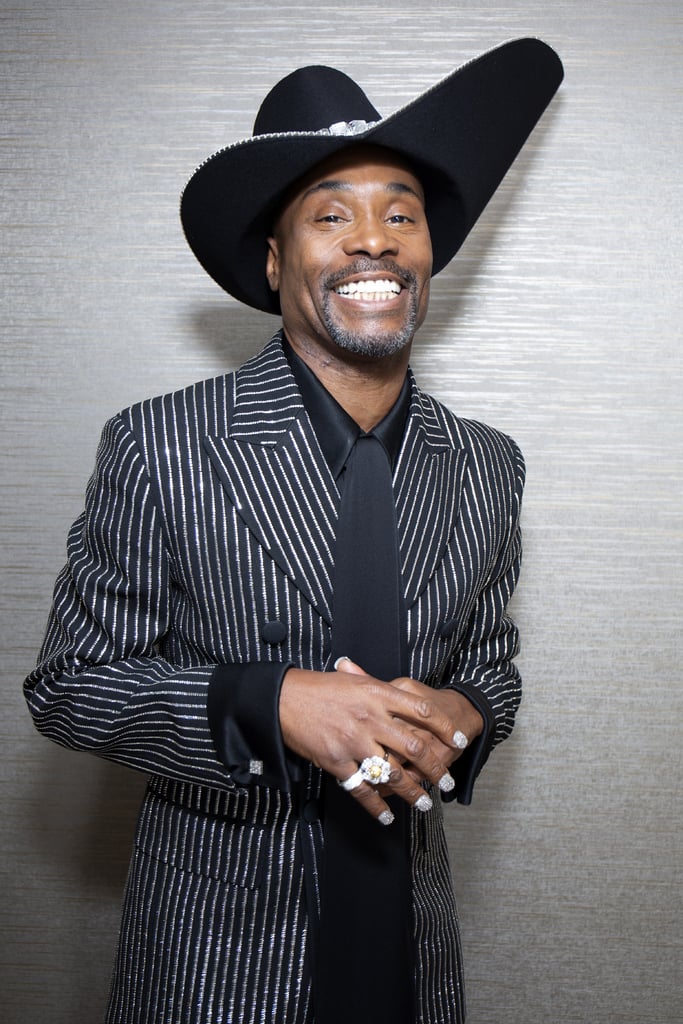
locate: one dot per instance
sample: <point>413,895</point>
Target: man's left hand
<point>462,714</point>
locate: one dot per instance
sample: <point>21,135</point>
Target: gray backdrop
<point>559,322</point>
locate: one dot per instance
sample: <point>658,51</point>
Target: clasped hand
<point>337,719</point>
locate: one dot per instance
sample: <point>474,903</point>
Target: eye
<point>330,218</point>
<point>400,218</point>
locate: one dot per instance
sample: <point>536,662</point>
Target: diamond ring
<point>376,770</point>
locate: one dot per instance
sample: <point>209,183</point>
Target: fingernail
<point>338,662</point>
<point>446,783</point>
<point>423,803</point>
<point>385,818</point>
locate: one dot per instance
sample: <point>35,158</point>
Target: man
<point>285,599</point>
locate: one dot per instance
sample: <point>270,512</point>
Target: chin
<point>373,344</point>
<point>372,347</point>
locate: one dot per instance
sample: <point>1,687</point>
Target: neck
<point>365,388</point>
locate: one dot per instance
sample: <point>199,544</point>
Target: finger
<point>409,770</point>
<point>422,710</point>
<point>402,782</point>
<point>464,718</point>
<point>443,755</point>
<point>378,776</point>
<point>432,759</point>
<point>417,778</point>
<point>428,756</point>
<point>369,796</point>
<point>345,664</point>
<point>446,741</point>
<point>372,801</point>
<point>407,784</point>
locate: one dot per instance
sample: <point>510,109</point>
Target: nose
<point>371,237</point>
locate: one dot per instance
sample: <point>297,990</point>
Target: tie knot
<point>375,444</point>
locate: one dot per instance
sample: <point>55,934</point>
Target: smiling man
<point>286,598</point>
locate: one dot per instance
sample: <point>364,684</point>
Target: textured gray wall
<point>559,322</point>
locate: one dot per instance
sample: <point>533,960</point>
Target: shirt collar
<point>334,429</point>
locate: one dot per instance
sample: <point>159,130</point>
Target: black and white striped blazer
<point>207,539</point>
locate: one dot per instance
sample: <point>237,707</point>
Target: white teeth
<point>375,290</point>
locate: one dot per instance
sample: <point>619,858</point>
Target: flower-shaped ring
<point>375,770</point>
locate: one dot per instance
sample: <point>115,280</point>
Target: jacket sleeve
<point>482,668</point>
<point>102,682</point>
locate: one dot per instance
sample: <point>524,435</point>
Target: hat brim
<point>461,136</point>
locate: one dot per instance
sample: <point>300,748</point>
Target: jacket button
<point>448,628</point>
<point>310,812</point>
<point>273,632</point>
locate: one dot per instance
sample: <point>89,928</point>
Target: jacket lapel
<point>428,487</point>
<point>271,466</point>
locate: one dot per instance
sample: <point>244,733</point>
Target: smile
<point>373,291</point>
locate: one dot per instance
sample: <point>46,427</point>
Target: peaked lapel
<point>272,467</point>
<point>428,487</point>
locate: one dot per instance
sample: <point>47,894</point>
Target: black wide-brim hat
<point>461,136</point>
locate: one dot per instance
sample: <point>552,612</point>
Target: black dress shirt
<point>334,429</point>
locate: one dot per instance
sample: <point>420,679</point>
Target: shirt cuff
<point>467,767</point>
<point>243,712</point>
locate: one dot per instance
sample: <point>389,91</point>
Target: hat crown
<point>310,99</point>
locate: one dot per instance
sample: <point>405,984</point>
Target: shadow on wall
<point>228,332</point>
<point>84,823</point>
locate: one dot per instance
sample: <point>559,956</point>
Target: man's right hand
<point>337,719</point>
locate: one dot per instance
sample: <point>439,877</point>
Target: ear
<point>273,264</point>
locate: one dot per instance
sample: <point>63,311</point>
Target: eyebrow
<point>338,185</point>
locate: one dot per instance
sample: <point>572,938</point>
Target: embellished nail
<point>446,783</point>
<point>423,803</point>
<point>460,740</point>
<point>385,818</point>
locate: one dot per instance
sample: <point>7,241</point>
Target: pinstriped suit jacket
<point>210,516</point>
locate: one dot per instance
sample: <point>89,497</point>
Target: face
<point>351,256</point>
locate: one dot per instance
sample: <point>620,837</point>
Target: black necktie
<point>364,961</point>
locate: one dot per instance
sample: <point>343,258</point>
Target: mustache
<point>364,265</point>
